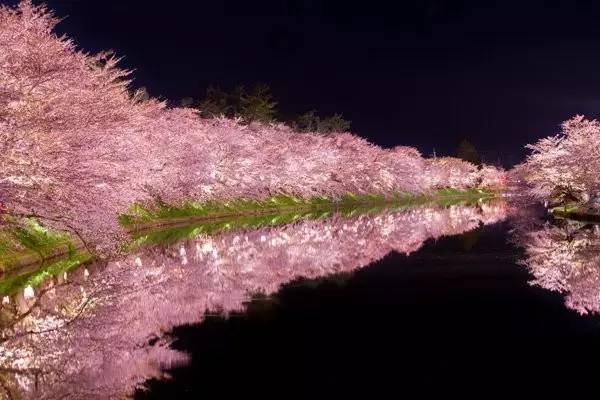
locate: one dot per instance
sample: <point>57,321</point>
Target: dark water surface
<point>457,316</point>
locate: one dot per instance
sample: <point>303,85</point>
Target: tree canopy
<point>467,151</point>
<point>311,122</point>
<point>259,104</point>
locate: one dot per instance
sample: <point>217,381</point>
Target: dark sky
<point>421,73</point>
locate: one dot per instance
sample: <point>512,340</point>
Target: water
<point>456,317</point>
<point>430,299</point>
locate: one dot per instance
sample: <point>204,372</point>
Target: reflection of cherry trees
<point>564,258</point>
<point>100,333</point>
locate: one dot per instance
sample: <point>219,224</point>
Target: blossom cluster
<point>567,164</point>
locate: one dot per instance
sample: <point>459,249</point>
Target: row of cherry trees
<point>565,166</point>
<point>77,147</point>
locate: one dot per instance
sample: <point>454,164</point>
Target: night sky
<point>420,73</point>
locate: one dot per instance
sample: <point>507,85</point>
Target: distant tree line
<point>257,104</point>
<point>467,151</point>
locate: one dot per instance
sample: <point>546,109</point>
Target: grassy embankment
<point>165,223</point>
<point>140,217</point>
<point>29,253</point>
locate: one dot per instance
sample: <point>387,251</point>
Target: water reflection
<point>563,256</point>
<point>101,331</point>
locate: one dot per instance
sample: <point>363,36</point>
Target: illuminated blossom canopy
<point>569,161</point>
<point>101,334</point>
<point>77,147</point>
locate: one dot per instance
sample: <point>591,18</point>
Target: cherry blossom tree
<point>493,177</point>
<point>442,172</point>
<point>565,164</point>
<point>68,125</point>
